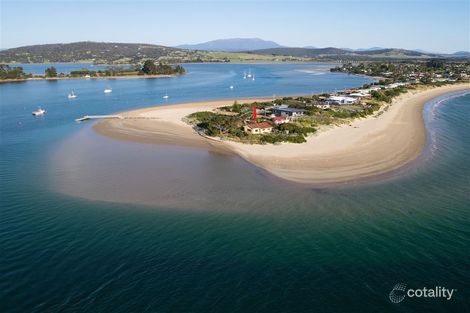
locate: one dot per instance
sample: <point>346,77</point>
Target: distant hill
<point>462,53</point>
<point>394,53</point>
<point>336,53</point>
<point>232,45</point>
<point>302,52</point>
<point>131,53</point>
<point>99,52</point>
<point>368,49</point>
<point>350,49</point>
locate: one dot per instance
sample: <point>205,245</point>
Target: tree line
<point>9,72</point>
<point>148,68</point>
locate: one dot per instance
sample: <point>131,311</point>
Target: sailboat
<point>108,90</point>
<point>253,78</point>
<point>72,95</point>
<point>244,75</point>
<point>249,73</point>
<point>39,112</point>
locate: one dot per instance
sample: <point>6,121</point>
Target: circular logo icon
<point>398,293</point>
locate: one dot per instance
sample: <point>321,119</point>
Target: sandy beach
<point>364,148</point>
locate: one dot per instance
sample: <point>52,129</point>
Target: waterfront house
<point>284,110</point>
<point>375,88</point>
<point>258,128</point>
<point>322,105</point>
<point>280,120</point>
<point>395,85</point>
<point>341,100</point>
<point>360,94</point>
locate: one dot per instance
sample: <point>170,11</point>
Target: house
<point>323,105</point>
<point>341,100</point>
<point>280,120</point>
<point>284,110</point>
<point>375,88</point>
<point>395,85</point>
<point>258,128</point>
<point>360,94</point>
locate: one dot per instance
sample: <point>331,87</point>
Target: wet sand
<point>364,148</point>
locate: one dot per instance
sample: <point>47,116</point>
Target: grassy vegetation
<point>126,53</point>
<point>229,120</point>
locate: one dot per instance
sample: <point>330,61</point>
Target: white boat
<point>108,90</point>
<point>253,78</point>
<point>165,96</point>
<point>72,95</point>
<point>249,74</point>
<point>231,87</point>
<point>244,75</point>
<point>39,112</point>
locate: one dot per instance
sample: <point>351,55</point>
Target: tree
<point>149,68</point>
<point>7,72</point>
<point>51,72</point>
<point>436,63</point>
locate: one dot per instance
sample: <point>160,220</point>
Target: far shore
<point>84,78</point>
<point>362,149</point>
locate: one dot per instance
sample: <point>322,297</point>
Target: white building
<point>322,106</point>
<point>258,128</point>
<point>341,100</point>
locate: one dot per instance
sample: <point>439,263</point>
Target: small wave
<point>437,104</point>
<point>313,72</point>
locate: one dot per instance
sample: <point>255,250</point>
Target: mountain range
<point>336,53</point>
<point>252,48</point>
<point>257,45</point>
<point>232,45</point>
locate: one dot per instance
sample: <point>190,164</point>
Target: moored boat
<point>72,95</point>
<point>39,112</point>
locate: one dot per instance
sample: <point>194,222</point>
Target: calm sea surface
<point>89,224</point>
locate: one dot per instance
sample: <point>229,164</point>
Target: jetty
<point>97,117</point>
<point>120,117</point>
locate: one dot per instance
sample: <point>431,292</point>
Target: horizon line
<point>282,46</point>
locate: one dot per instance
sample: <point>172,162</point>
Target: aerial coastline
<point>148,69</point>
<point>364,148</point>
<point>183,156</point>
<point>13,80</point>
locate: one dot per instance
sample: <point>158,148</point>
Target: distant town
<point>431,71</point>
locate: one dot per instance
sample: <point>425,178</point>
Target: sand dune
<point>364,148</point>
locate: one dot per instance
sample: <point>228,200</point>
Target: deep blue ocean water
<point>212,233</point>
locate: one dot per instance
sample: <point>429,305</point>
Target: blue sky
<point>433,25</point>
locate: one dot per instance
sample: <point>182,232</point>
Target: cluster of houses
<point>355,95</point>
<point>416,77</point>
<point>280,114</point>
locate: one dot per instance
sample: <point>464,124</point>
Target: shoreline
<point>364,148</point>
<point>13,80</point>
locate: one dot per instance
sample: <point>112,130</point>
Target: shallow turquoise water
<point>241,241</point>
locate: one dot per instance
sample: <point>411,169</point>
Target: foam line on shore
<point>364,148</point>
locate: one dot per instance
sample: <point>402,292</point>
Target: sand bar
<point>364,148</point>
